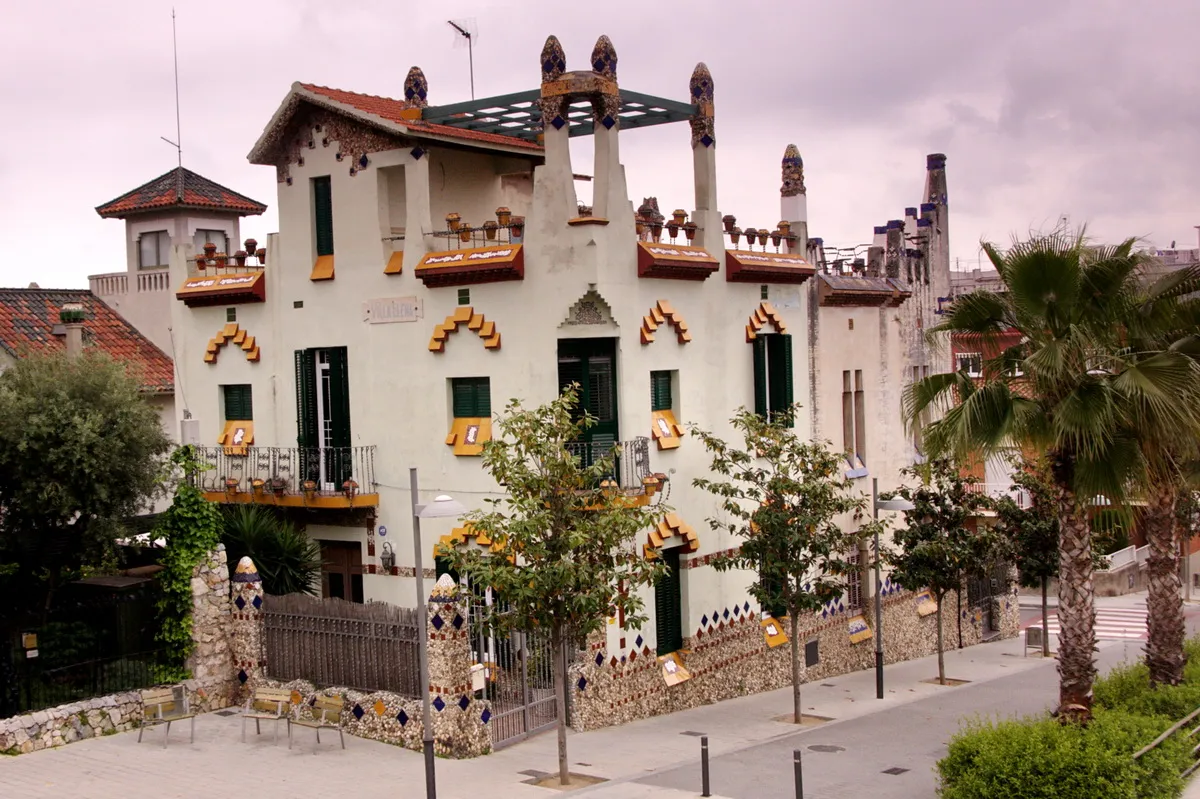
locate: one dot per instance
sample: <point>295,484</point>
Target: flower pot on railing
<point>689,231</point>
<point>503,216</point>
<point>517,227</point>
<point>656,230</point>
<point>350,489</point>
<point>490,229</point>
<point>310,489</point>
<point>239,257</point>
<point>278,486</point>
<point>219,260</point>
<point>679,216</point>
<point>452,222</point>
<point>252,246</point>
<point>210,249</point>
<point>257,485</point>
<point>729,220</point>
<point>464,232</point>
<point>735,235</point>
<point>673,228</point>
<point>231,485</point>
<point>201,263</point>
<point>762,237</point>
<point>261,255</point>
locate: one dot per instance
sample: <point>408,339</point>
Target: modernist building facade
<point>434,262</point>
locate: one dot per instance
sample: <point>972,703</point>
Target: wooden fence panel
<point>332,642</point>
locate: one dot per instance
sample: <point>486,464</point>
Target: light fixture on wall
<point>387,558</point>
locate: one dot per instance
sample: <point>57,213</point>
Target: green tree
<point>937,550</point>
<point>1071,388</point>
<point>569,558</point>
<point>782,496</point>
<point>288,561</point>
<point>81,450</point>
<point>1031,532</point>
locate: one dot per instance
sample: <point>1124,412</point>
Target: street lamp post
<point>442,506</point>
<point>877,505</point>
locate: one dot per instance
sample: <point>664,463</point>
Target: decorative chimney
<point>71,316</point>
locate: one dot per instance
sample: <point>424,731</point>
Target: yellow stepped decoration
<point>670,526</point>
<point>231,333</point>
<point>663,314</point>
<point>465,315</point>
<point>765,312</point>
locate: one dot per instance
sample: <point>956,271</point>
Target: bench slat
<point>272,695</point>
<point>158,696</point>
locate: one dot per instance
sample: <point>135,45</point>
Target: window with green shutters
<point>774,374</point>
<point>668,605</point>
<point>471,397</point>
<point>323,214</point>
<point>660,391</point>
<point>239,405</point>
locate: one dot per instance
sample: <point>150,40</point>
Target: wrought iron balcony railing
<point>630,459</point>
<point>289,475</point>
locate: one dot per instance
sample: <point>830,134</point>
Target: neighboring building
<point>176,207</point>
<point>433,262</point>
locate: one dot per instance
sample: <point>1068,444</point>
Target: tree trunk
<point>1045,619</point>
<point>1164,622</point>
<point>797,711</point>
<point>957,613</point>
<point>1076,605</point>
<point>559,644</point>
<point>941,658</point>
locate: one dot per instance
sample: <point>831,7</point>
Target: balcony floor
<point>319,501</point>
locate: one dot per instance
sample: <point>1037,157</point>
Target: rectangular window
<point>323,416</point>
<point>969,362</point>
<point>154,249</point>
<point>668,605</point>
<point>860,417</point>
<point>216,237</point>
<point>854,418</point>
<point>323,215</point>
<point>848,414</point>
<point>471,397</point>
<point>854,583</point>
<point>660,391</point>
<point>239,405</point>
<point>464,296</point>
<point>773,374</point>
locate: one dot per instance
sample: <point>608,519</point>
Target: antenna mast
<point>178,143</point>
<point>466,34</point>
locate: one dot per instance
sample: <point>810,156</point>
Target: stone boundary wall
<point>734,659</point>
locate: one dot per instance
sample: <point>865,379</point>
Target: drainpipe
<point>71,317</point>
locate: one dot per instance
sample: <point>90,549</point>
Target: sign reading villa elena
<point>223,289</point>
<point>385,310</point>
<point>773,267</point>
<point>655,259</point>
<point>472,265</point>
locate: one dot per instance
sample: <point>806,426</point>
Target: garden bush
<point>1039,757</point>
<point>1128,688</point>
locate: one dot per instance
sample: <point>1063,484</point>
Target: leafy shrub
<point>1128,688</point>
<point>288,561</point>
<point>1040,757</point>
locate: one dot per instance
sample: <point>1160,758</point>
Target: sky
<point>1088,109</point>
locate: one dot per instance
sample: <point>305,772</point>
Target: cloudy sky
<point>1044,108</point>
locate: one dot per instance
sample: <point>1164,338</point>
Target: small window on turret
<point>765,292</point>
<point>153,249</point>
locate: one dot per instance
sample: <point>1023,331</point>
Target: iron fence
<point>332,642</point>
<point>630,459</point>
<point>43,683</point>
<point>323,471</point>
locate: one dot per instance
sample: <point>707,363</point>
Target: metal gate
<point>519,678</point>
<point>980,590</point>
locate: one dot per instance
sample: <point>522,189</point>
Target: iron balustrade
<point>323,471</point>
<point>630,459</point>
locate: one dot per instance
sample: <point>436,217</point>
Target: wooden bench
<point>266,704</point>
<point>326,712</point>
<point>163,706</point>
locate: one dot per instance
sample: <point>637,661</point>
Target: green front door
<point>592,363</point>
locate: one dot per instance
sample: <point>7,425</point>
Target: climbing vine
<point>192,529</point>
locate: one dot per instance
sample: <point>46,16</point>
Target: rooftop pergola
<point>519,114</point>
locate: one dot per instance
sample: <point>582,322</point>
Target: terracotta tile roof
<point>28,318</point>
<point>389,109</point>
<point>180,188</point>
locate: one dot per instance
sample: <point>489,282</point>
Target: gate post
<point>249,657</point>
<point>460,721</point>
<point>210,661</point>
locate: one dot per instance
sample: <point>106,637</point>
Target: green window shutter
<point>668,605</point>
<point>339,397</point>
<point>471,397</point>
<point>660,391</point>
<point>306,398</point>
<point>780,368</point>
<point>760,375</point>
<point>323,214</point>
<point>239,404</point>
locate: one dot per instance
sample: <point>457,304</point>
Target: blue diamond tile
<point>608,122</point>
<point>242,676</point>
<point>358,712</point>
<point>402,717</point>
<point>824,613</point>
<point>706,140</point>
<point>598,65</point>
<point>439,704</point>
<point>582,683</point>
<point>256,602</point>
<point>486,716</point>
<point>362,161</point>
<point>746,607</point>
<point>241,603</point>
<point>558,122</point>
<point>639,640</point>
<point>289,180</point>
<point>416,153</point>
<point>458,621</point>
<point>437,622</point>
<point>622,658</point>
<point>339,156</point>
<point>463,702</point>
<point>726,613</point>
<point>704,621</point>
<point>599,658</point>
<point>737,609</point>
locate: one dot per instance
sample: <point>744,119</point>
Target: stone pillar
<point>706,216</point>
<point>606,125</point>
<point>554,183</point>
<point>210,663</point>
<point>460,722</point>
<point>246,636</point>
<point>793,198</point>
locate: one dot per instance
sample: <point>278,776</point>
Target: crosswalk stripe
<point>1111,624</point>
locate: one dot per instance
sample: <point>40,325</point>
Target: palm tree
<point>1072,388</point>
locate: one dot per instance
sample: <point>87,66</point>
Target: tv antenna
<point>178,143</point>
<point>467,32</point>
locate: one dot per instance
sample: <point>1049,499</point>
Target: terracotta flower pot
<point>776,236</point>
<point>464,232</point>
<point>452,221</point>
<point>729,220</point>
<point>210,249</point>
<point>735,235</point>
<point>656,230</point>
<point>689,230</point>
<point>762,237</point>
<point>517,226</point>
<point>489,230</point>
<point>503,216</point>
<point>251,245</point>
<point>261,255</point>
<point>673,228</point>
<point>240,257</point>
<point>679,216</point>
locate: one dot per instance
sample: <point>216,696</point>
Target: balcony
<point>215,278</point>
<point>292,477</point>
<point>630,472</point>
